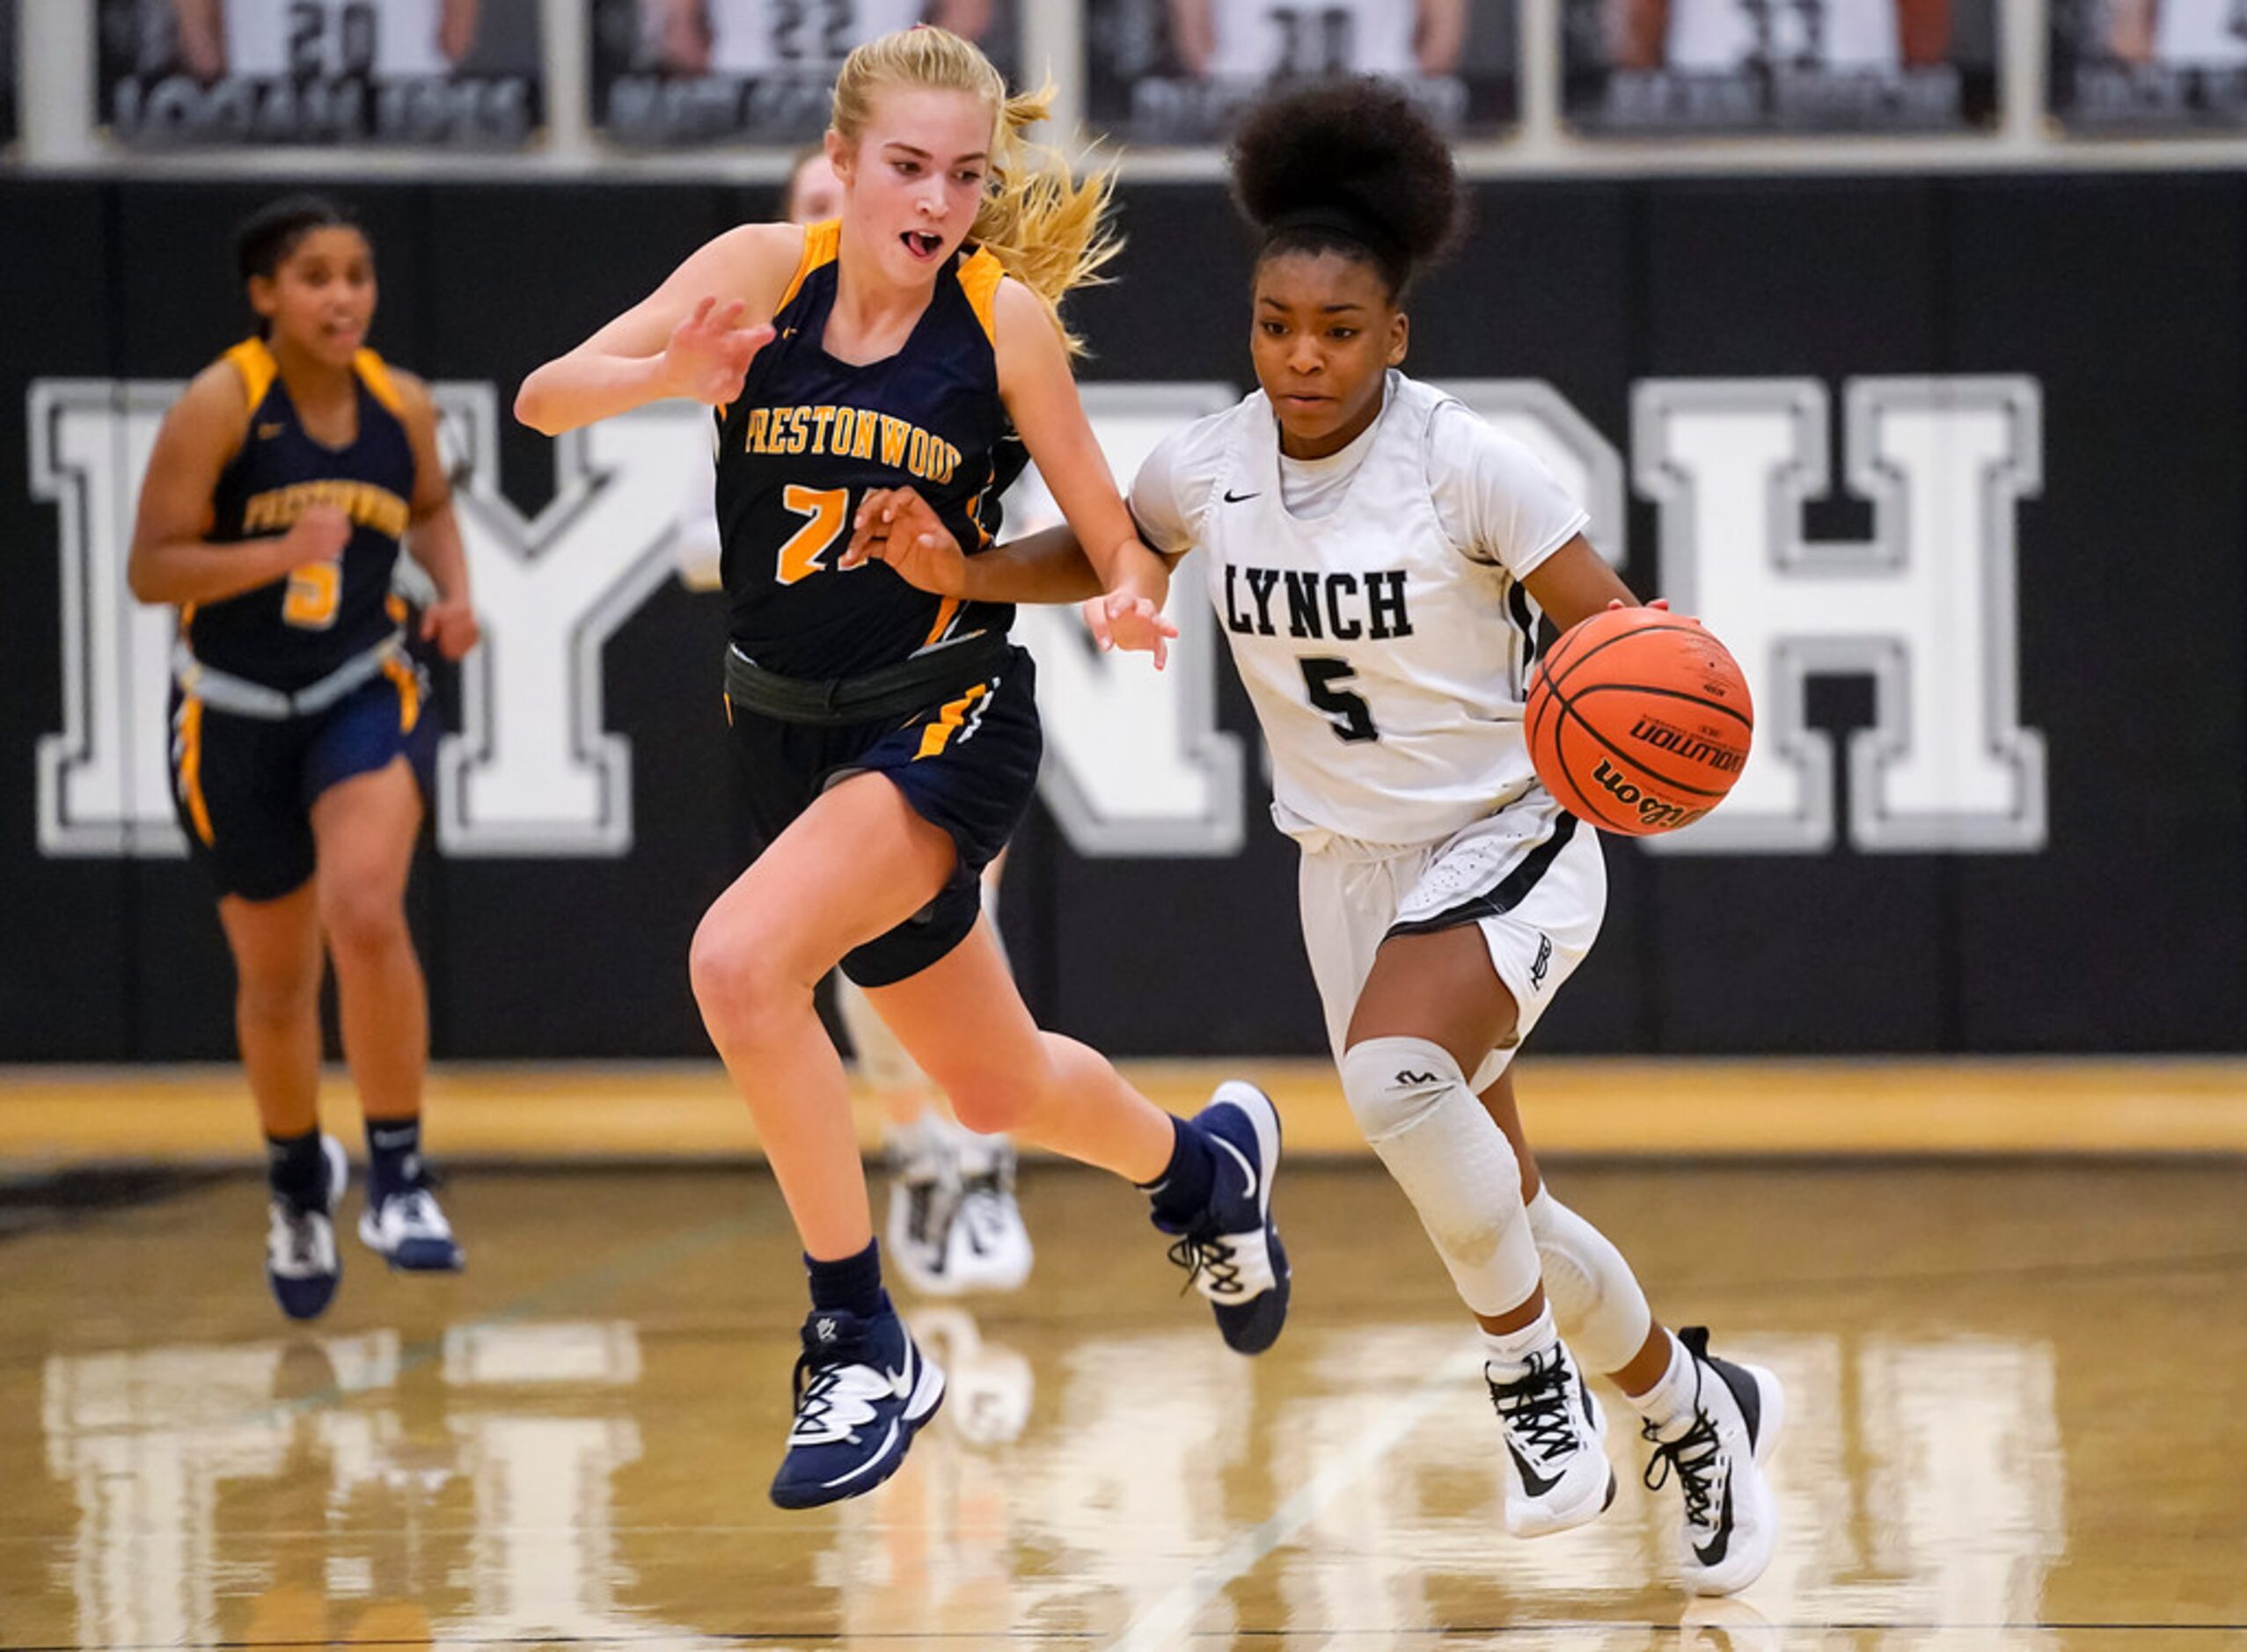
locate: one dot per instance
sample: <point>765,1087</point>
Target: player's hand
<point>710,351</point>
<point>1662,602</point>
<point>897,526</point>
<point>1124,620</point>
<point>317,536</point>
<point>451,623</point>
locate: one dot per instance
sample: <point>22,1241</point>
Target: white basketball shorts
<point>1530,877</point>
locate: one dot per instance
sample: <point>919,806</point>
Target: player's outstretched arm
<point>897,526</point>
<point>1041,397</point>
<point>171,559</point>
<point>433,537</point>
<point>693,336</point>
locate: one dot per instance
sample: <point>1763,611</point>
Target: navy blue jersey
<point>811,437</point>
<point>296,630</point>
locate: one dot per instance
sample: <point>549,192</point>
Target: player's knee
<point>1394,1085</point>
<point>361,918</point>
<point>277,997</point>
<point>994,1103</point>
<point>739,981</point>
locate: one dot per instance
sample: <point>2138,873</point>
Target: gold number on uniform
<point>827,507</point>
<point>315,593</point>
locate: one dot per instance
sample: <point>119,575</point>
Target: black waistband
<point>895,691</point>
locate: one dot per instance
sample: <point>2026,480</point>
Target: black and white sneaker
<point>863,1391</point>
<point>1716,1454</point>
<point>1557,1474</point>
<point>302,1265</point>
<point>924,1199</point>
<point>1232,1253</point>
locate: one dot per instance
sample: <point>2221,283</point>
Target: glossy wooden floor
<point>2017,1419</point>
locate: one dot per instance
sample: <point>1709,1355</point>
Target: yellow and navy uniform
<point>286,690</point>
<point>811,435</point>
<point>955,724</point>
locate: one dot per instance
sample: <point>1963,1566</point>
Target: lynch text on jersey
<point>1306,602</point>
<point>855,433</point>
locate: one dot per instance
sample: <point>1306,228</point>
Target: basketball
<point>1638,721</point>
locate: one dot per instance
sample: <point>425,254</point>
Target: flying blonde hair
<point>1046,227</point>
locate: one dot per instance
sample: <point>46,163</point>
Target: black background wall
<point>2123,295</point>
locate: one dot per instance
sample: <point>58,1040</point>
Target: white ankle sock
<point>1507,1353</point>
<point>1671,1400</point>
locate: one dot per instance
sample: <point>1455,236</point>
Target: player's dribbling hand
<point>317,536</point>
<point>1124,620</point>
<point>451,623</point>
<point>897,526</point>
<point>1662,602</point>
<point>710,351</point>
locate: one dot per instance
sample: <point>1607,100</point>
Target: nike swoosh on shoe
<point>901,1382</point>
<point>1532,1482</point>
<point>1248,1172</point>
<point>1712,1553</point>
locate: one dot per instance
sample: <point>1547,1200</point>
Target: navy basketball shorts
<point>243,787</point>
<point>968,765</point>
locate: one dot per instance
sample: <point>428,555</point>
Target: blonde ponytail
<point>1047,227</point>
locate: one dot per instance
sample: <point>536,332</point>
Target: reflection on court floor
<point>571,1445</point>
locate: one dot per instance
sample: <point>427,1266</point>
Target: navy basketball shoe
<point>1232,1253</point>
<point>302,1265</point>
<point>410,1232</point>
<point>1717,1452</point>
<point>863,1389</point>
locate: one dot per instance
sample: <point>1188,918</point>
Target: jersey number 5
<point>1351,717</point>
<point>829,507</point>
<point>315,593</point>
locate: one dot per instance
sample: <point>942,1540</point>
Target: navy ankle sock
<point>296,1169</point>
<point>393,1158</point>
<point>852,1285</point>
<point>1182,1193</point>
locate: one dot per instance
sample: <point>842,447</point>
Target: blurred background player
<point>280,40</point>
<point>1715,37</point>
<point>1264,40</point>
<point>277,498</point>
<point>2177,33</point>
<point>954,1224</point>
<point>757,38</point>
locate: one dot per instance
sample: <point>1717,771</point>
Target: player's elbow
<point>142,579</point>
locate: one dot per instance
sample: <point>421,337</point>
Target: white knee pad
<point>1596,1299</point>
<point>1453,1162</point>
<point>881,1060</point>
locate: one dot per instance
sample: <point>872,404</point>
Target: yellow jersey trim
<point>979,279</point>
<point>374,372</point>
<point>253,359</point>
<point>820,243</point>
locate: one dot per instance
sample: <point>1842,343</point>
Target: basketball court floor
<point>2017,1395</point>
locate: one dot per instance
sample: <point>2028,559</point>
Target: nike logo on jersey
<point>1343,606</point>
<point>266,433</point>
<point>1232,498</point>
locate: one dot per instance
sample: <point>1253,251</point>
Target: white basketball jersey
<point>1715,36</point>
<point>771,37</point>
<point>1257,38</point>
<point>1387,663</point>
<point>329,38</point>
<point>2199,34</point>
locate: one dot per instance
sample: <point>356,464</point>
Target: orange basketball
<point>1638,721</point>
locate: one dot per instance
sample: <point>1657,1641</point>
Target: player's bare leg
<point>277,963</point>
<point>365,828</point>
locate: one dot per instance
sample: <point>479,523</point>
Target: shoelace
<point>826,1391</point>
<point>1209,1262</point>
<point>303,1241</point>
<point>1696,1456</point>
<point>1535,1407</point>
